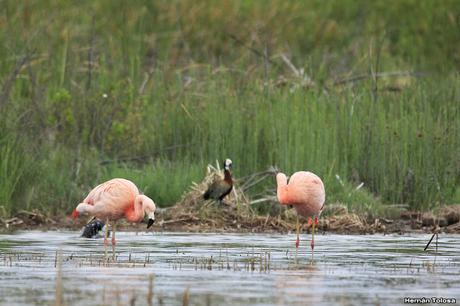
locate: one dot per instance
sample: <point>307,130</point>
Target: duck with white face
<point>220,188</point>
<point>228,164</point>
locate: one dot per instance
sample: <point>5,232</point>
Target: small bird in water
<point>221,187</point>
<point>116,199</point>
<point>305,192</point>
<point>93,229</point>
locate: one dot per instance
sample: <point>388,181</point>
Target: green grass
<point>163,88</point>
<point>163,181</point>
<point>12,171</point>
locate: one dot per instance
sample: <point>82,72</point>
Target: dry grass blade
<point>255,178</point>
<point>429,242</point>
<point>59,295</point>
<point>150,290</point>
<point>186,297</point>
<point>360,77</point>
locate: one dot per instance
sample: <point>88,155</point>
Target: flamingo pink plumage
<point>305,192</point>
<point>116,199</point>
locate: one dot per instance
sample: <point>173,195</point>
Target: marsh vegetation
<point>153,91</point>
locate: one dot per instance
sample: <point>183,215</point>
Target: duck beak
<point>150,223</point>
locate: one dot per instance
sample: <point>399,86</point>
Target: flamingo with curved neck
<point>116,199</point>
<point>305,192</point>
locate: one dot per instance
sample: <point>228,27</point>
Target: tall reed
<point>161,89</point>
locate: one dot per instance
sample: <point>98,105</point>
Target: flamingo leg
<point>313,238</point>
<point>297,227</point>
<point>113,240</point>
<point>106,235</point>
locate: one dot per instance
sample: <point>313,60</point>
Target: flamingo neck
<point>282,188</point>
<point>136,213</point>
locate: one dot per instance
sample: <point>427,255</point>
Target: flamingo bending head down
<point>115,199</point>
<point>305,192</point>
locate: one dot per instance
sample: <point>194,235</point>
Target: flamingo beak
<point>150,223</point>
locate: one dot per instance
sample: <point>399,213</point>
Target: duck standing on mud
<point>221,187</point>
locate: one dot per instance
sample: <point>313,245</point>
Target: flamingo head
<point>149,208</point>
<point>228,164</point>
<point>281,179</point>
<point>282,188</point>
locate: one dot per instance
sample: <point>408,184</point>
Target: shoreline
<point>338,224</point>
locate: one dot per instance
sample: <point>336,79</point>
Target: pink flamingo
<point>305,192</point>
<point>114,200</point>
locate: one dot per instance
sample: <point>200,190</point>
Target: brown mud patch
<point>228,219</point>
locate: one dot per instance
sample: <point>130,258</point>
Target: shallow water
<point>227,269</point>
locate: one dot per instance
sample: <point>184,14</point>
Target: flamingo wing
<point>307,189</point>
<point>112,198</point>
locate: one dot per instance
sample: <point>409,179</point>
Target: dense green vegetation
<point>155,90</point>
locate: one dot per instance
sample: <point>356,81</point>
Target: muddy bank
<point>236,214</point>
<point>213,217</point>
